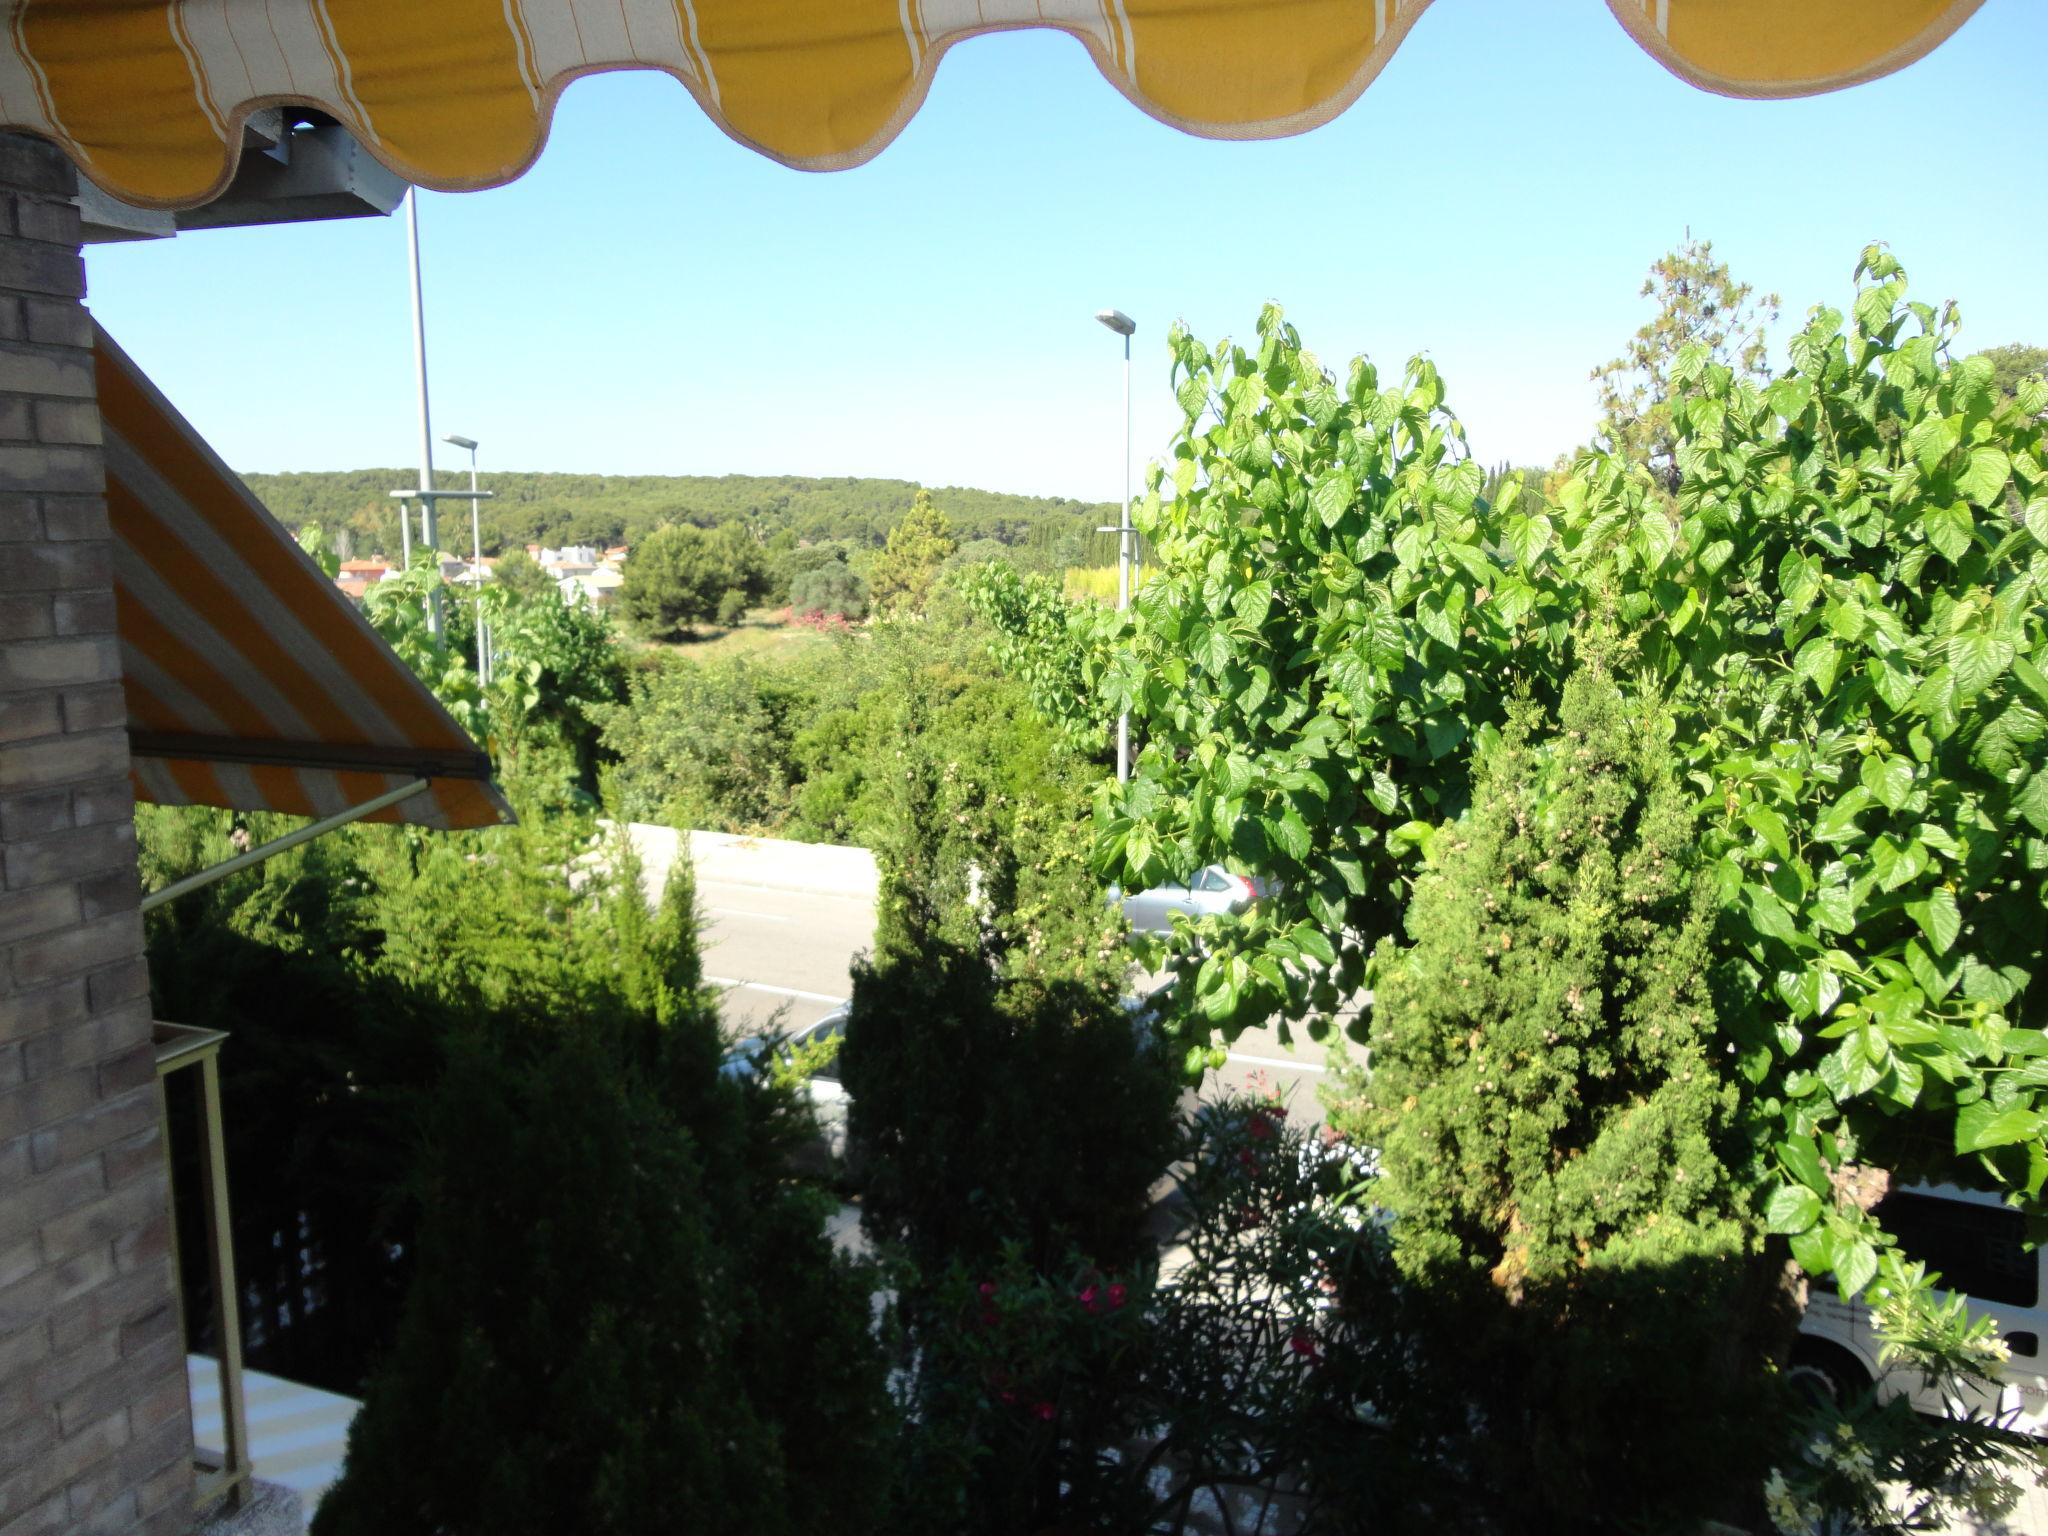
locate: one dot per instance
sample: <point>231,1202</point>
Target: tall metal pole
<point>476,573</point>
<point>1123,568</point>
<point>429,527</point>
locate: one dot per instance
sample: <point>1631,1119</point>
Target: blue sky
<point>652,298</point>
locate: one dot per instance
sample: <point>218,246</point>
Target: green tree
<point>1051,644</point>
<point>1699,303</point>
<point>831,588</point>
<point>2012,363</point>
<point>673,580</point>
<point>1559,1134</point>
<point>705,745</point>
<point>519,573</point>
<point>902,575</point>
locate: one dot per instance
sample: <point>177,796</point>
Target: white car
<point>748,1058</point>
<point>1977,1244</point>
<point>1209,892</point>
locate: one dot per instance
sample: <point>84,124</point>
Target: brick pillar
<point>95,1431</point>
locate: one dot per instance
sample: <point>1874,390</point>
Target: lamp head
<point>1118,321</point>
<point>461,442</point>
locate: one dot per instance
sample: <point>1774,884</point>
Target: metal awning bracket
<point>278,845</point>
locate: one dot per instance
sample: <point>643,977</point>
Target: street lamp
<point>429,530</point>
<point>1125,327</point>
<point>476,558</point>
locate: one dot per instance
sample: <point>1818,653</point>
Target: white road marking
<point>782,890</point>
<point>1276,1061</point>
<point>766,917</point>
<point>762,986</point>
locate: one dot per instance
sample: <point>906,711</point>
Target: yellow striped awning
<point>148,96</point>
<point>251,682</point>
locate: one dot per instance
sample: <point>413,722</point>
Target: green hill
<point>613,509</point>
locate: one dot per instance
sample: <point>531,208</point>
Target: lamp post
<point>476,558</point>
<point>429,529</point>
<point>1125,327</point>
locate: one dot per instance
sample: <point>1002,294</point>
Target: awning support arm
<point>277,845</point>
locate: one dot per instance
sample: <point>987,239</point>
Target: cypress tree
<point>1555,1119</point>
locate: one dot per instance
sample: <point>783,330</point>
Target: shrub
<point>832,590</point>
<point>732,608</point>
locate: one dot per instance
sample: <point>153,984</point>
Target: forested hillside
<point>611,509</point>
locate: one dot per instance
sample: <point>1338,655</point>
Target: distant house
<point>596,585</point>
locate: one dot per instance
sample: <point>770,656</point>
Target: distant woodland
<point>356,510</point>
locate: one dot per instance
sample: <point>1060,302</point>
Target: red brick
<point>67,421</point>
<point>51,956</point>
<point>50,1514</point>
<point>170,1400</point>
<point>24,716</point>
<point>82,613</point>
<point>118,984</point>
<point>28,369</point>
<point>65,1372</point>
<point>69,855</point>
<point>132,1068</point>
<point>147,1246</point>
<point>39,1101</point>
<point>45,764</point>
<point>124,1384</point>
<point>17,420</point>
<point>120,891</point>
<point>152,1328</point>
<point>56,322</point>
<point>13,324</point>
<point>30,616</point>
<point>83,1045</point>
<point>170,1491</point>
<point>96,708</point>
<point>113,800</point>
<point>33,1299</point>
<point>40,1197</point>
<point>62,663</point>
<point>40,566</point>
<point>110,1307</point>
<point>23,1350</point>
<point>136,1154</point>
<point>18,1260</point>
<point>36,268</point>
<point>12,1071</point>
<point>25,914</point>
<point>23,816</point>
<point>51,221</point>
<point>21,1450</point>
<point>31,1012</point>
<point>68,518</point>
<point>75,1454</point>
<point>35,165</point>
<point>114,1518</point>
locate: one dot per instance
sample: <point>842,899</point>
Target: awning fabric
<point>148,95</point>
<point>251,683</point>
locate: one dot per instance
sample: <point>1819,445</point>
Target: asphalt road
<point>783,956</point>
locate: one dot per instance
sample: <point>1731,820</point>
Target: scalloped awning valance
<point>147,96</point>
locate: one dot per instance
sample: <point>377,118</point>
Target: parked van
<point>1977,1245</point>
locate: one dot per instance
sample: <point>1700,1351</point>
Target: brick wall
<point>94,1425</point>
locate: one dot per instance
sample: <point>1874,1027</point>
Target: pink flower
<point>1007,1396</point>
<point>1303,1343</point>
<point>1116,1297</point>
<point>1087,1297</point>
<point>1260,1126</point>
<point>1043,1410</point>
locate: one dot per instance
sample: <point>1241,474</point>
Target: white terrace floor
<point>296,1434</point>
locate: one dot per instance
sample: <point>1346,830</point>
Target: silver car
<point>1212,891</point>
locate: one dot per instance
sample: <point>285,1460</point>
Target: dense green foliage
<point>1839,604</point>
<point>833,588</point>
<point>902,576</point>
<point>1699,305</point>
<point>1561,1139</point>
<point>1056,647</point>
<point>679,577</point>
<point>603,510</point>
